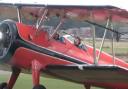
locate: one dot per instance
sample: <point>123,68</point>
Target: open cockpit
<point>62,26</point>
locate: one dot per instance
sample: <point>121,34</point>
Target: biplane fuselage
<point>47,51</point>
<point>33,49</point>
<point>32,45</point>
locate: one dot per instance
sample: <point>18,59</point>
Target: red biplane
<point>26,46</point>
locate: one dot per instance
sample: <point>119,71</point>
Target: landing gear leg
<point>87,86</point>
<point>13,78</point>
<point>36,68</point>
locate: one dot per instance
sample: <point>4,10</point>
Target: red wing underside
<point>99,14</point>
<point>85,73</point>
<point>78,13</point>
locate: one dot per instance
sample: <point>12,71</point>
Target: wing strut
<point>105,32</point>
<point>41,20</point>
<point>57,27</point>
<point>112,43</point>
<point>90,22</point>
<point>93,34</point>
<point>19,14</point>
<point>43,17</point>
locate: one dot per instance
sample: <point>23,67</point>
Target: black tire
<point>39,87</point>
<point>3,85</point>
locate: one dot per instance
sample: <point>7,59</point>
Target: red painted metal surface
<point>27,58</point>
<point>36,68</point>
<point>108,59</point>
<point>23,58</point>
<point>67,47</point>
<point>42,40</point>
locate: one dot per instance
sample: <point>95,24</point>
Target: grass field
<point>120,48</point>
<point>25,82</point>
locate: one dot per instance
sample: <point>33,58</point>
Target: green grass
<point>120,48</point>
<point>25,82</point>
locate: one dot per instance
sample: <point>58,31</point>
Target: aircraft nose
<point>1,39</point>
<point>4,37</point>
<point>1,35</point>
<point>8,33</point>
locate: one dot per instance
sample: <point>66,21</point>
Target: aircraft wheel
<point>39,87</point>
<point>3,86</point>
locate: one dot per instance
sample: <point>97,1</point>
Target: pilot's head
<point>56,36</point>
<point>77,41</point>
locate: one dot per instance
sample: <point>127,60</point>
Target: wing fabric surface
<point>86,73</point>
<point>78,13</point>
<point>116,3</point>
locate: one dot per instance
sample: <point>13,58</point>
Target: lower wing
<point>95,75</point>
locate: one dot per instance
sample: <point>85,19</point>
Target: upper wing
<point>116,3</point>
<point>31,10</point>
<point>72,9</point>
<point>90,74</point>
<point>78,13</point>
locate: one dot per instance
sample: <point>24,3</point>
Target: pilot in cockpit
<point>58,38</point>
<point>79,44</point>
